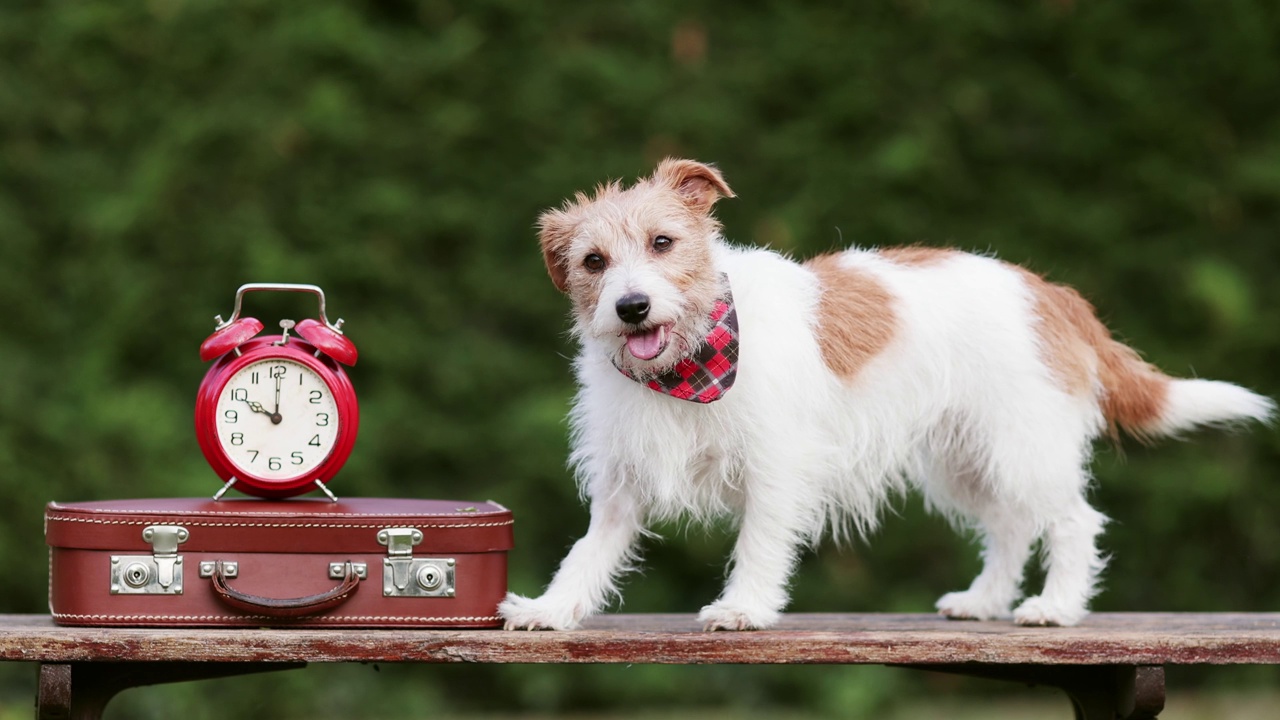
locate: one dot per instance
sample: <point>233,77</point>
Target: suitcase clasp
<point>406,576</point>
<point>159,573</point>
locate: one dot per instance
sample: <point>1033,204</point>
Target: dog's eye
<point>662,243</point>
<point>594,262</point>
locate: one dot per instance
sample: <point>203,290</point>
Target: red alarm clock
<point>276,415</point>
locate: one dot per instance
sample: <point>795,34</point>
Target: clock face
<point>276,420</point>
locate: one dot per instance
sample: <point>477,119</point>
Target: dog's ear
<point>698,184</point>
<point>555,230</point>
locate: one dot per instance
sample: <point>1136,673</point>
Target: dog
<point>717,380</point>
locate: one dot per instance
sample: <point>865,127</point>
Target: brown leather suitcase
<point>359,562</point>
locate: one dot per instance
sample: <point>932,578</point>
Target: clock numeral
<point>231,416</point>
<point>316,395</point>
<point>240,395</point>
<point>255,455</point>
<point>237,438</point>
<point>273,463</point>
<point>254,378</point>
<point>315,441</point>
<point>299,379</point>
<point>277,371</point>
<point>322,419</point>
<point>297,457</point>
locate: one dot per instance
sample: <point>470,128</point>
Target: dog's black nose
<point>633,307</point>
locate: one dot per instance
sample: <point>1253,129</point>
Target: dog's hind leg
<point>1007,538</point>
<point>1047,474</point>
<point>1027,479</point>
<point>1069,528</point>
<point>1043,477</point>
<point>960,484</point>
<point>588,574</point>
<point>957,481</point>
<point>1073,562</point>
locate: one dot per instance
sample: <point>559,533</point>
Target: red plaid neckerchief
<point>708,373</point>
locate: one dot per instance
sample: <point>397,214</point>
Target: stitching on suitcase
<point>56,506</point>
<point>327,526</point>
<point>342,618</point>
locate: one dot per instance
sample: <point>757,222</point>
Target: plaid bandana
<point>708,373</point>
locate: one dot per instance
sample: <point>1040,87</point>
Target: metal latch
<point>159,573</point>
<point>406,576</point>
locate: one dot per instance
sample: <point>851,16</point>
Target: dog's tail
<point>1134,395</point>
<point>1147,404</point>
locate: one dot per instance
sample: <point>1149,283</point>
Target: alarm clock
<point>276,415</point>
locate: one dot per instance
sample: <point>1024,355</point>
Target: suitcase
<point>359,562</point>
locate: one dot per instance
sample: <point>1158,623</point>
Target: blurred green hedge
<point>154,156</point>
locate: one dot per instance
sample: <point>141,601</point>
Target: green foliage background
<point>154,156</point>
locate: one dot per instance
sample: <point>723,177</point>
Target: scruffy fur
<point>862,374</point>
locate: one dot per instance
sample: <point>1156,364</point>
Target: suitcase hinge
<point>159,573</point>
<point>406,576</point>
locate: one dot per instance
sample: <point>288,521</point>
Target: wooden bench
<point>1112,666</point>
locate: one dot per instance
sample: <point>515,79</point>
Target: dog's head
<point>637,263</point>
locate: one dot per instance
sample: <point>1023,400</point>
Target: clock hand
<point>275,416</point>
<point>257,407</point>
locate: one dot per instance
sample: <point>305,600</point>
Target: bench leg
<point>1124,692</point>
<point>80,691</point>
<point>1097,692</point>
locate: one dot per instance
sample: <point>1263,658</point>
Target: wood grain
<point>1105,638</point>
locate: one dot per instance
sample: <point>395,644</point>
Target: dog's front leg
<point>587,575</point>
<point>773,527</point>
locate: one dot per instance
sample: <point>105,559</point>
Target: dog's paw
<point>1038,611</point>
<point>522,613</point>
<point>721,615</point>
<point>968,605</point>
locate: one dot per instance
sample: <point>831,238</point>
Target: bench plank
<point>1103,639</point>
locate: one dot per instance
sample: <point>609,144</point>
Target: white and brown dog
<point>799,397</point>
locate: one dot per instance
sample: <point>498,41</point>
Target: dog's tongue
<point>647,345</point>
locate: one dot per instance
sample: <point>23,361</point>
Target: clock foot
<point>218,495</point>
<point>326,491</point>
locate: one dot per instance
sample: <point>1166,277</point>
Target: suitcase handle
<point>285,607</point>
